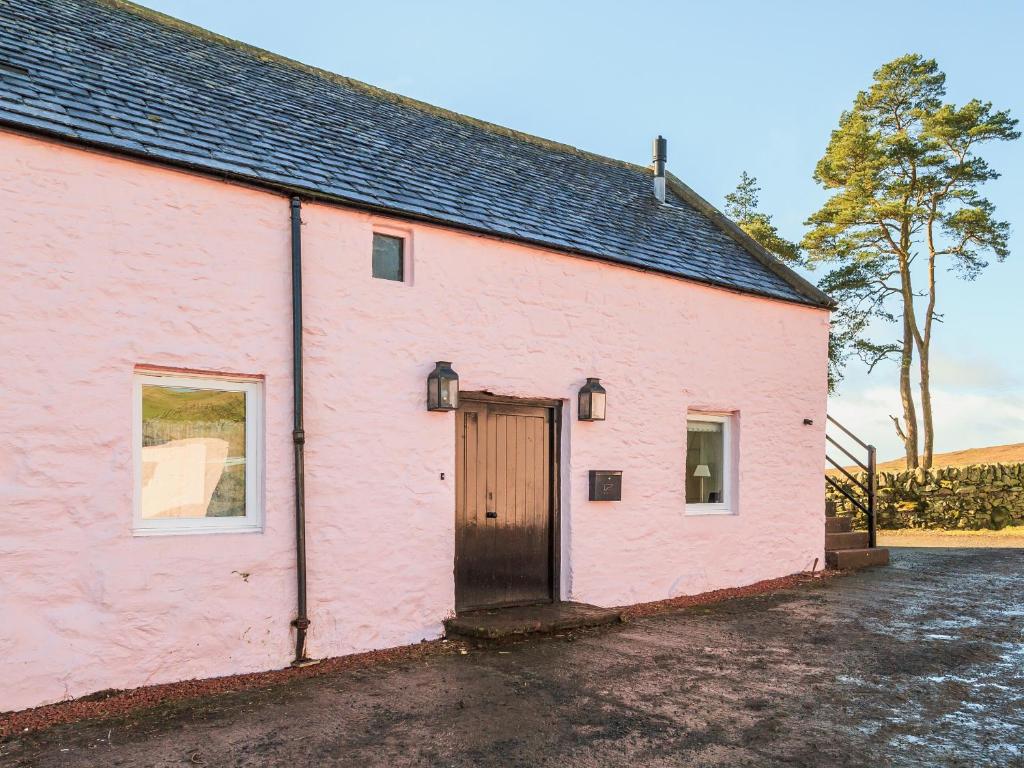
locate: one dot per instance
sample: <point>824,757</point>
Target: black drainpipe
<point>301,622</point>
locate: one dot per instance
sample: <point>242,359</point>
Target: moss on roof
<point>264,55</point>
<point>114,75</point>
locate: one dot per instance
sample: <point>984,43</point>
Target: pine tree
<point>904,179</point>
<point>741,207</point>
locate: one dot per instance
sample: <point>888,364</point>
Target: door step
<point>521,620</point>
<point>847,540</point>
<point>852,559</point>
<point>838,524</point>
<point>846,549</point>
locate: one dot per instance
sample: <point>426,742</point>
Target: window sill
<point>696,511</point>
<point>191,530</point>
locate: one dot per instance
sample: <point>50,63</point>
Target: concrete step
<point>847,540</point>
<point>838,524</point>
<point>853,559</point>
<point>546,618</point>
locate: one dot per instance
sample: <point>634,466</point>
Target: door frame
<point>555,474</point>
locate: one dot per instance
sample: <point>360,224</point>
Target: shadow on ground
<point>921,663</point>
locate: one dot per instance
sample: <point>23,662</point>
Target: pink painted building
<point>162,188</point>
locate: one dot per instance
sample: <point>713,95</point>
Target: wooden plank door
<point>503,505</point>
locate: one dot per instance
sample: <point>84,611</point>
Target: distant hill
<point>995,454</point>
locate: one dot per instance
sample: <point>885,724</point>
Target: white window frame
<point>729,470</point>
<point>252,522</point>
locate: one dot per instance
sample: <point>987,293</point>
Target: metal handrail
<point>868,488</point>
<point>849,455</point>
<point>853,499</point>
<point>852,436</point>
<point>849,477</point>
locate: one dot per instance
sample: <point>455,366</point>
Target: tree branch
<point>899,429</point>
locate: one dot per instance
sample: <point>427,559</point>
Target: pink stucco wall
<point>109,264</point>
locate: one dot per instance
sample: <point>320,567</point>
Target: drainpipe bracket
<point>299,436</point>
<point>302,624</point>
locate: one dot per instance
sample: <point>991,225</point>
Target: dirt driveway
<point>920,664</point>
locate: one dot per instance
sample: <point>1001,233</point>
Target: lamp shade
<point>702,471</point>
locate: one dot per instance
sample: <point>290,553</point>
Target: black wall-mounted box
<point>606,485</point>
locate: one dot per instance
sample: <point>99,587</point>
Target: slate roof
<point>125,78</point>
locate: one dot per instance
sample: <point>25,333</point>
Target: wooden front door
<point>504,504</point>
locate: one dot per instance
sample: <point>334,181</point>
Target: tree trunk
<point>924,349</point>
<point>926,410</point>
<point>909,435</point>
<point>910,335</point>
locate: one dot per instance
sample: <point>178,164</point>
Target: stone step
<point>853,559</point>
<point>545,618</point>
<point>847,540</point>
<point>838,524</point>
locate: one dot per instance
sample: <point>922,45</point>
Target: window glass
<point>193,452</point>
<point>387,257</point>
<point>705,462</point>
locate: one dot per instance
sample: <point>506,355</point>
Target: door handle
<point>491,513</point>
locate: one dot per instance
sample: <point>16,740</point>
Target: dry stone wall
<point>973,497</point>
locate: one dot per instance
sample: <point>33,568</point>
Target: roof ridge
<point>263,54</point>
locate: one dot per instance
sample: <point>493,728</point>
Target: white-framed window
<point>710,468</point>
<point>197,450</point>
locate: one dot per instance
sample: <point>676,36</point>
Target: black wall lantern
<point>593,401</point>
<point>442,388</point>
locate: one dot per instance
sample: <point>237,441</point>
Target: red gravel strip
<point>106,704</point>
<point>114,703</point>
<point>718,595</point>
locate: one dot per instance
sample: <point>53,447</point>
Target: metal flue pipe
<point>660,158</point>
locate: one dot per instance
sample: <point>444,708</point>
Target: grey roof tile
<point>129,79</point>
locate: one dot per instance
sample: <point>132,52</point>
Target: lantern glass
<point>433,398</point>
<point>593,401</point>
<point>442,388</point>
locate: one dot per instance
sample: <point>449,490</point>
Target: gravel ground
<point>918,664</point>
<point>1012,538</point>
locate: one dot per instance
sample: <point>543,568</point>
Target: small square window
<point>388,257</point>
<point>709,469</point>
<point>197,454</point>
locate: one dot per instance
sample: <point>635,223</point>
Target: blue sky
<point>733,86</point>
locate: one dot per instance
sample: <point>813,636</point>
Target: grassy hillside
<point>995,454</point>
<point>188,404</point>
<point>178,413</point>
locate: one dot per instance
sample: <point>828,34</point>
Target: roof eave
<point>314,194</point>
<point>798,283</point>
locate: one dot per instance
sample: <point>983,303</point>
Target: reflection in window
<point>193,462</point>
<point>706,472</point>
<point>388,257</point>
